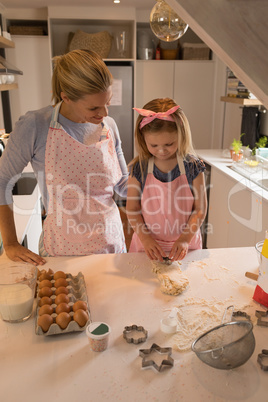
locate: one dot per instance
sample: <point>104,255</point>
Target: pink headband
<point>149,115</point>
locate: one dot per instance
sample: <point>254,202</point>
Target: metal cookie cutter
<point>241,314</point>
<point>146,362</point>
<point>166,261</point>
<point>261,315</point>
<point>129,332</point>
<point>263,356</point>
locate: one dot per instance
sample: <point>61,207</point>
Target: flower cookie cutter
<point>149,362</point>
<point>263,356</point>
<point>135,334</point>
<point>241,315</point>
<point>261,315</point>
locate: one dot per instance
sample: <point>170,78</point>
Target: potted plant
<point>236,151</point>
<point>261,143</point>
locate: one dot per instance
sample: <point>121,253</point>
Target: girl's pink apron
<point>166,208</point>
<point>82,217</point>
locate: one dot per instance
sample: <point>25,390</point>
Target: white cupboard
<point>190,83</point>
<point>31,55</point>
<point>236,215</point>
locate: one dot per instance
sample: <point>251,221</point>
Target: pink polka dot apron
<point>82,217</point>
<point>166,208</point>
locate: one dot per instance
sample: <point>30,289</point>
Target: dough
<point>171,279</point>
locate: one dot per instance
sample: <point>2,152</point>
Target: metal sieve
<point>226,346</point>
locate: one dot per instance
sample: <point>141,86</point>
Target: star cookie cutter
<point>146,362</point>
<point>261,315</point>
<point>241,314</point>
<point>263,356</point>
<point>129,331</point>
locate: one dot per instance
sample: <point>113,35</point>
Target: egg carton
<point>77,291</point>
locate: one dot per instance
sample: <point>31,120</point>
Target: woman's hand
<point>152,249</point>
<point>16,252</point>
<point>179,250</point>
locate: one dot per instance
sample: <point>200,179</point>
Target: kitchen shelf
<point>241,101</point>
<point>8,87</point>
<point>6,43</point>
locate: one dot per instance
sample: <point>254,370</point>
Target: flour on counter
<point>171,278</point>
<point>196,316</point>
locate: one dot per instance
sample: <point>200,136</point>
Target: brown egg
<point>45,300</point>
<point>59,274</point>
<point>46,309</point>
<point>45,275</point>
<point>60,282</point>
<point>63,307</point>
<point>39,273</point>
<point>45,283</point>
<point>63,320</point>
<point>81,317</point>
<point>61,289</point>
<point>46,291</point>
<point>44,321</point>
<point>62,298</point>
<point>80,305</point>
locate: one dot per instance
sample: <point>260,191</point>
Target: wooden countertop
<point>123,291</point>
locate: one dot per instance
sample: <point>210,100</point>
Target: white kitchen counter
<point>122,291</point>
<point>218,158</point>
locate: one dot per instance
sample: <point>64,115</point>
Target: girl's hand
<point>179,250</point>
<point>152,249</point>
<point>16,252</point>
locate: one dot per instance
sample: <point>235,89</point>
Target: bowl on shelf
<point>258,248</point>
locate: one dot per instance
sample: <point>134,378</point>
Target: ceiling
<point>139,4</point>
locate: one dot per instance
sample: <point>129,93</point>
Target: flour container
<point>17,290</point>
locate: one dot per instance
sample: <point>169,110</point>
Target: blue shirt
<point>193,166</point>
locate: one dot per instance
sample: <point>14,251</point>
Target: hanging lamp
<point>165,23</point>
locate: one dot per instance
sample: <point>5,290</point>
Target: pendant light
<point>165,23</point>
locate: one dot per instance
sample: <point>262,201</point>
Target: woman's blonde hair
<point>78,73</point>
<point>180,124</point>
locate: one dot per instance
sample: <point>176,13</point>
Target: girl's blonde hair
<point>79,73</point>
<point>180,124</point>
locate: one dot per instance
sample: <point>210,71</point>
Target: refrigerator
<point>122,103</point>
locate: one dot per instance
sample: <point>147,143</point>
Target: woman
<point>75,151</point>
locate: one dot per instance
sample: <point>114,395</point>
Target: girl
<point>75,151</point>
<point>166,201</point>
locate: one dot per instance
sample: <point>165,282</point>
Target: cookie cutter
<point>241,314</point>
<point>169,324</point>
<point>167,362</point>
<point>166,261</point>
<point>263,356</point>
<point>261,315</point>
<point>135,328</point>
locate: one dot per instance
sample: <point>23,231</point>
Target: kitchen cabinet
<point>28,210</point>
<point>34,90</point>
<point>194,90</point>
<point>5,120</point>
<point>154,79</point>
<point>235,215</point>
<point>190,83</point>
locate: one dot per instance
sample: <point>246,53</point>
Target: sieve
<point>226,346</point>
